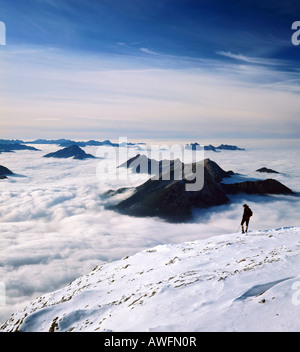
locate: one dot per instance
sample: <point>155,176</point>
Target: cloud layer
<point>54,227</point>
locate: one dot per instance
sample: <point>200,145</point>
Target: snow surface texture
<point>231,282</point>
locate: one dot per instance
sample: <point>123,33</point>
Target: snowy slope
<point>231,282</point>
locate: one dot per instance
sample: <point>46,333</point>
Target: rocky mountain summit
<point>74,151</point>
<point>168,197</point>
<point>142,164</point>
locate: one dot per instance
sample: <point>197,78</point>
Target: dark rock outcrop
<point>73,151</point>
<point>269,186</point>
<point>4,171</point>
<point>216,172</point>
<point>269,171</point>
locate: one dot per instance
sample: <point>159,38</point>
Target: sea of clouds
<point>54,227</point>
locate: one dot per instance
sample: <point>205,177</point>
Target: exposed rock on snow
<point>225,283</point>
<point>269,186</point>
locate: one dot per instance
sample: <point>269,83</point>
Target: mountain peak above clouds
<point>167,198</point>
<point>72,151</point>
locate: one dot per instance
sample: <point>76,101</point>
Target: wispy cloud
<point>47,91</point>
<point>252,60</point>
<point>143,87</point>
<point>148,51</point>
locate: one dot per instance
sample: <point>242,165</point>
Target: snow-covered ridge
<point>232,282</point>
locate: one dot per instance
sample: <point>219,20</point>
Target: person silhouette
<point>246,217</point>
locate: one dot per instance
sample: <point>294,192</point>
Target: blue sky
<point>195,28</point>
<point>106,68</point>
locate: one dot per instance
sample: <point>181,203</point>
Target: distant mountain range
<point>11,141</point>
<point>11,147</point>
<point>64,142</point>
<point>194,146</point>
<point>69,142</point>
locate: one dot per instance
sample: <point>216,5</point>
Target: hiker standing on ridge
<point>246,217</point>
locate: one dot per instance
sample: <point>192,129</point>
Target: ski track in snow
<point>225,283</point>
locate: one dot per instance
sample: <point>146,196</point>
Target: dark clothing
<point>246,216</point>
<point>245,220</point>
